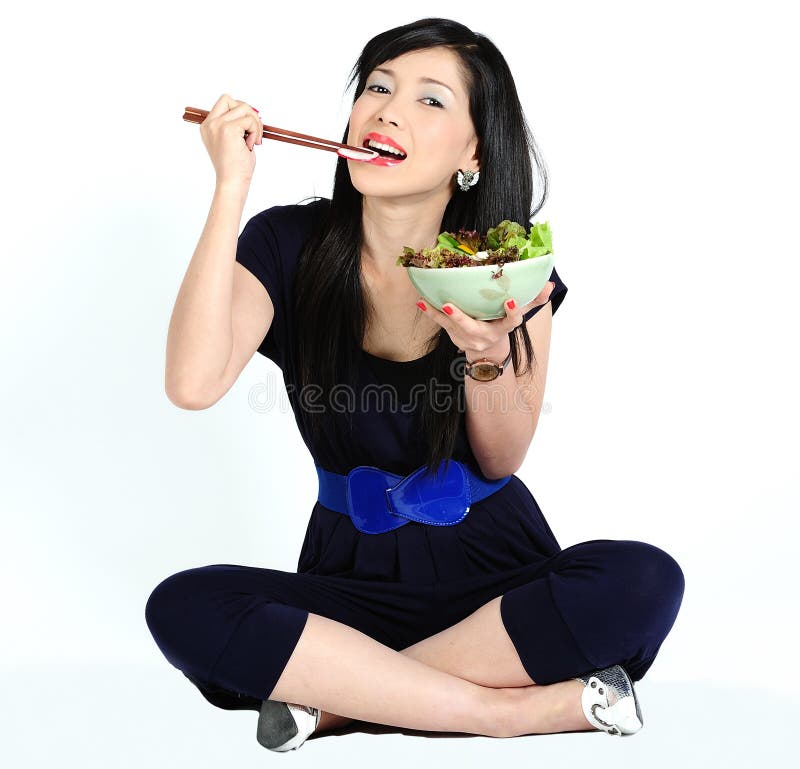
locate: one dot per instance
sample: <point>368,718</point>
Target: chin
<point>380,188</point>
<point>382,183</point>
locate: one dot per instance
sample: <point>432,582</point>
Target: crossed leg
<point>477,649</point>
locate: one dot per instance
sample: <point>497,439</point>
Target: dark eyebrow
<point>421,80</point>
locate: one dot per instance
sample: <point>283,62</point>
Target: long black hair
<point>331,308</point>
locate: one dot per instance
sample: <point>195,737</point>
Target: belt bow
<point>379,501</point>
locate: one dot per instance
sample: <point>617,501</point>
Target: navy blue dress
<point>231,628</point>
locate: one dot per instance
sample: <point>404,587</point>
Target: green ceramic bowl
<point>476,291</point>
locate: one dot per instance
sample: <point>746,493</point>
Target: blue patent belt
<point>378,501</point>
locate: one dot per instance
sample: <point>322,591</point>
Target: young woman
<point>474,623</point>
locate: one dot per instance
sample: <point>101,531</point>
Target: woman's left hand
<point>479,337</point>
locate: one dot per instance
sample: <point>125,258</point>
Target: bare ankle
<point>329,721</point>
<point>544,709</point>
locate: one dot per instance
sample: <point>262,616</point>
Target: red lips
<point>383,139</point>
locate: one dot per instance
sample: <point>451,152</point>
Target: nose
<point>393,122</point>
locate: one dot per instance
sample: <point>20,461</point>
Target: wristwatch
<point>485,370</point>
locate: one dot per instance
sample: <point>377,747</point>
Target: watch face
<point>484,372</point>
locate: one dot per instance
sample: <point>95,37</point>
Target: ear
<point>471,156</point>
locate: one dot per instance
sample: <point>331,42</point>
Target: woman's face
<point>429,121</point>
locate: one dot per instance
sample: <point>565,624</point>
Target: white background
<point>670,133</point>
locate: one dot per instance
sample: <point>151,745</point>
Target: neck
<point>389,224</point>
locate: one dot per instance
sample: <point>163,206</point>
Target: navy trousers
<point>231,629</point>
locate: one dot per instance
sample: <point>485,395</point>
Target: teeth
<point>378,145</point>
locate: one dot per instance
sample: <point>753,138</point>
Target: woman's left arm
<point>502,415</point>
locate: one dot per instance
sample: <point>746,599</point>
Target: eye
<point>437,104</point>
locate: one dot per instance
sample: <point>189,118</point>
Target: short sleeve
<point>556,297</point>
<point>269,246</point>
<point>257,250</point>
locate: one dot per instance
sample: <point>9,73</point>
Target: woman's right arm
<point>222,312</point>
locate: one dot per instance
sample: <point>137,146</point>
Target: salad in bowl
<point>478,273</point>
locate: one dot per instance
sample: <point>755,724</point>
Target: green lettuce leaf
<point>538,243</point>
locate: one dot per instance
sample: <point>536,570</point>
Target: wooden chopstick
<point>198,115</point>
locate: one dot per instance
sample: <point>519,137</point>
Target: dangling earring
<point>467,179</point>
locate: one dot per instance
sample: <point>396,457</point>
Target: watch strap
<point>500,366</point>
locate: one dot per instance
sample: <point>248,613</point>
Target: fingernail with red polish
<point>421,305</point>
<point>511,304</point>
<point>448,310</point>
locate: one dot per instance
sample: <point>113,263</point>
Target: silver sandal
<point>284,726</point>
<point>609,701</point>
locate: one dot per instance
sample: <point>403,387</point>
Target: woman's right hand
<point>222,132</point>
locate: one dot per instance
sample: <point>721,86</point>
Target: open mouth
<point>382,150</point>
